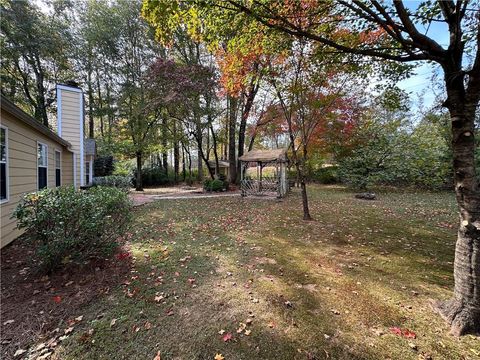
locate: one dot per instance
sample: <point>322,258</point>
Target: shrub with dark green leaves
<point>66,224</point>
<point>103,165</point>
<point>155,176</point>
<point>215,185</point>
<point>324,175</point>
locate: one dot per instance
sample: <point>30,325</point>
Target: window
<point>3,164</point>
<point>42,163</point>
<point>58,168</point>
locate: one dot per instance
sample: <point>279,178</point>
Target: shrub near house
<point>66,224</point>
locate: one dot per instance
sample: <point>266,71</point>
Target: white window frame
<point>44,166</point>
<point>7,182</point>
<point>58,168</point>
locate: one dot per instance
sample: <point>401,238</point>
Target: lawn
<point>248,279</point>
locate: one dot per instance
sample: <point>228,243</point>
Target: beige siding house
<point>33,157</point>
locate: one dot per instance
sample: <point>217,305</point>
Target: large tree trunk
<point>139,185</point>
<point>463,310</point>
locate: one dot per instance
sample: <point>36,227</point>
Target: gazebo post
<point>261,171</point>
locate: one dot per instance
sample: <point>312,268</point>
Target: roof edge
<point>7,105</point>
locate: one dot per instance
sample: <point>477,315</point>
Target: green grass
<point>330,288</point>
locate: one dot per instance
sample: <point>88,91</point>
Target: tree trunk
<point>184,172</point>
<point>90,102</point>
<point>463,310</point>
<point>232,122</point>
<point>139,185</point>
<point>164,145</point>
<point>176,154</point>
<point>215,152</point>
<point>252,92</point>
<point>306,210</point>
<point>199,139</point>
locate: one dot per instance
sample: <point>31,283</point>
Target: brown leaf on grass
<point>218,357</point>
<point>157,357</point>
<point>113,322</point>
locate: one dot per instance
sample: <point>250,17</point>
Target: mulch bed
<point>34,305</point>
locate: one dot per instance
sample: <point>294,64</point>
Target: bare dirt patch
<point>34,304</point>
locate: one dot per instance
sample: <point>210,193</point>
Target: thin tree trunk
<point>176,153</point>
<point>463,310</point>
<point>164,145</point>
<point>100,104</point>
<point>139,185</point>
<point>232,122</point>
<point>199,139</point>
<point>184,172</point>
<point>90,101</point>
<point>215,153</point>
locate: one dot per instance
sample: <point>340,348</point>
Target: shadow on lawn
<point>223,262</point>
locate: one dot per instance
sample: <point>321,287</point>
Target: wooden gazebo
<point>264,173</point>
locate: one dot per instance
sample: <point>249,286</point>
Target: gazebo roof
<point>265,155</point>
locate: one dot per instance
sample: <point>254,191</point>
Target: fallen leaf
<point>227,337</point>
<point>396,330</point>
<point>409,334</point>
<point>68,330</point>
<point>157,357</point>
<point>148,325</point>
<point>113,322</point>
<point>57,299</point>
<point>221,332</point>
<point>19,352</point>
<point>219,357</point>
<point>248,332</point>
<point>79,318</point>
<point>123,256</point>
<point>8,322</point>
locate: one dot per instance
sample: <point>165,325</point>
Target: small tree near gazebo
<point>264,173</point>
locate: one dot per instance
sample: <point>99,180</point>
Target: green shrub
<point>215,185</point>
<point>66,224</point>
<point>155,176</point>
<point>325,175</point>
<point>123,167</point>
<point>122,182</point>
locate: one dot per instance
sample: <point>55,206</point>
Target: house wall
<point>70,125</point>
<point>22,168</point>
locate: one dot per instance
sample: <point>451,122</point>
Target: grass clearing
<point>330,288</point>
